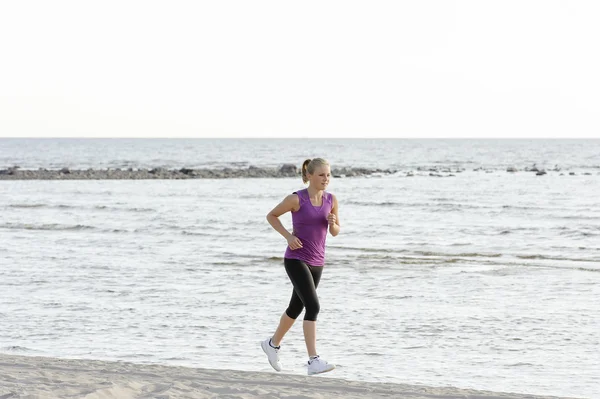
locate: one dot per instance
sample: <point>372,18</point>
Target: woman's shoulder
<point>293,196</point>
<point>292,202</point>
<point>301,194</point>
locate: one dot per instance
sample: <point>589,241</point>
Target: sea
<point>473,278</point>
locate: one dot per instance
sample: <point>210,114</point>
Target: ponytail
<point>305,171</point>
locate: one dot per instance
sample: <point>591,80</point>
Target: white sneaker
<point>318,366</point>
<point>272,354</point>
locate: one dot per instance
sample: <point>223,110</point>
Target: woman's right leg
<point>305,280</point>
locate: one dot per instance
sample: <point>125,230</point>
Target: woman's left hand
<point>331,219</point>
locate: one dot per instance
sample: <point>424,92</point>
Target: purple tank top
<point>310,226</point>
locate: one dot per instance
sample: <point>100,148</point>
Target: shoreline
<point>45,377</point>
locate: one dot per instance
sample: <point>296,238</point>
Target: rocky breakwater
<point>287,170</point>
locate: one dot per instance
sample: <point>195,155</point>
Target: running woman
<point>314,211</point>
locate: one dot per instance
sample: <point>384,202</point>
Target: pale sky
<point>221,68</point>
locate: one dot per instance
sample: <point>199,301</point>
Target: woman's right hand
<point>294,242</point>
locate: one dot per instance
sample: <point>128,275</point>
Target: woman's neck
<point>315,193</point>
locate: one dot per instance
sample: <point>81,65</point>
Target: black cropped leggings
<point>305,279</point>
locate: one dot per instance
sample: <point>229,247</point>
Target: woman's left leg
<point>285,323</point>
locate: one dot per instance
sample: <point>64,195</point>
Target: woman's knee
<point>293,312</point>
<point>312,312</point>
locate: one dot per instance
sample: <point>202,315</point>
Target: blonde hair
<point>309,166</point>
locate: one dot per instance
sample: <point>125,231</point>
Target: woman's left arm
<point>333,218</point>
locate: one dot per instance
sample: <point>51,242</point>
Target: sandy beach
<point>40,377</point>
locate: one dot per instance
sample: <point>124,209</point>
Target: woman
<point>313,211</point>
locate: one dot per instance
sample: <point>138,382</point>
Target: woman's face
<point>320,178</point>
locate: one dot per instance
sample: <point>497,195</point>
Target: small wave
<point>386,257</point>
<point>575,217</point>
<point>114,208</point>
<point>477,255</point>
<point>532,257</point>
<point>559,267</point>
<point>195,233</point>
<point>385,203</point>
<point>571,248</point>
<point>16,348</point>
<point>520,364</point>
<point>63,206</point>
<point>586,269</point>
<point>461,255</point>
<point>528,208</point>
<point>370,250</point>
<point>49,227</point>
<point>140,209</point>
<point>222,263</point>
<point>33,206</point>
<point>517,229</point>
<point>582,231</point>
<point>394,297</point>
<point>545,257</point>
<point>436,206</point>
<point>27,205</point>
<point>390,259</point>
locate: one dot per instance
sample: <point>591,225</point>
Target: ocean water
<point>573,155</point>
<point>481,280</point>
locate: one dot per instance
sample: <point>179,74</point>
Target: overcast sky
<point>300,69</point>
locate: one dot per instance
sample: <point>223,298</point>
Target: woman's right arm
<point>289,204</point>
